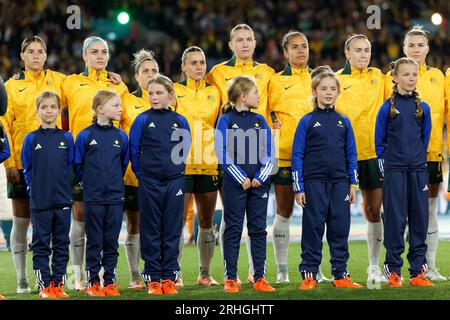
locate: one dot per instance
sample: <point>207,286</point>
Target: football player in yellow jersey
<point>20,119</point>
<point>145,67</point>
<point>80,90</point>
<point>290,99</point>
<point>361,97</point>
<point>242,43</point>
<point>430,86</point>
<point>199,101</point>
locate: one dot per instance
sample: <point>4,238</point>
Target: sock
<point>180,248</point>
<point>77,247</point>
<point>133,253</point>
<point>251,270</point>
<point>433,233</point>
<point>221,232</point>
<point>374,241</point>
<point>206,242</point>
<point>19,246</point>
<point>281,241</point>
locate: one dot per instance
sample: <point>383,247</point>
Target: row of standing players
<point>286,93</point>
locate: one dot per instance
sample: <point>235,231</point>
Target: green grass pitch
<point>357,267</point>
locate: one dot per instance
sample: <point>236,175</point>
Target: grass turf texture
<point>357,267</point>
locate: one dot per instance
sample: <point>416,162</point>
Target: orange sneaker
<point>395,281</point>
<point>206,281</point>
<point>95,290</point>
<point>47,293</point>
<point>346,282</point>
<point>231,286</point>
<point>169,287</point>
<point>421,281</point>
<point>262,285</point>
<point>2,297</point>
<point>112,290</point>
<point>308,284</point>
<point>154,287</point>
<point>59,291</point>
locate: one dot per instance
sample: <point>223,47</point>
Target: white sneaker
<point>23,287</point>
<point>320,277</point>
<point>434,275</point>
<point>135,285</point>
<point>179,282</point>
<point>375,275</point>
<point>283,277</point>
<point>80,285</point>
<point>250,279</point>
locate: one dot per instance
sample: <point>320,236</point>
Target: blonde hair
<point>394,70</point>
<point>291,34</point>
<point>102,97</point>
<point>162,80</point>
<point>416,30</point>
<point>89,41</point>
<point>140,57</point>
<point>27,41</point>
<point>47,94</point>
<point>241,26</point>
<point>237,86</point>
<point>184,57</point>
<point>354,37</point>
<point>317,75</point>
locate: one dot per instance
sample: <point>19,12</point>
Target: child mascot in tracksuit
<point>159,144</point>
<point>244,146</point>
<point>402,133</point>
<point>101,159</point>
<point>47,157</point>
<point>324,165</point>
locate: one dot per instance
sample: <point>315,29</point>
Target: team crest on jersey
<point>109,85</point>
<point>211,98</point>
<point>116,144</point>
<point>374,82</point>
<point>285,173</point>
<point>433,80</point>
<point>49,82</point>
<point>258,76</point>
<point>62,145</point>
<point>257,126</point>
<point>340,124</point>
<point>175,126</point>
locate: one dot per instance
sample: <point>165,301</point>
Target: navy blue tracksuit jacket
<point>401,144</point>
<point>324,165</point>
<point>159,144</point>
<point>47,157</point>
<point>245,149</point>
<point>101,159</point>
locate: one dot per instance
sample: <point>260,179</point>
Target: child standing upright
<point>101,159</point>
<point>244,146</point>
<point>47,156</point>
<point>324,177</point>
<point>159,144</point>
<point>402,133</point>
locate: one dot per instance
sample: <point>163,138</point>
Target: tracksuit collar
<point>235,62</point>
<point>289,71</point>
<point>48,130</point>
<point>348,69</point>
<point>92,74</point>
<point>326,110</point>
<point>29,75</point>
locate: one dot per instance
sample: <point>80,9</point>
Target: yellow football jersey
<point>21,117</point>
<point>200,105</point>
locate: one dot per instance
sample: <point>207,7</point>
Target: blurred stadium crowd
<point>167,27</point>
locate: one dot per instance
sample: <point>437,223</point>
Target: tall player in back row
<point>242,43</point>
<point>430,86</point>
<point>361,96</point>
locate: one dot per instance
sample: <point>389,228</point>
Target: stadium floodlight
<point>436,19</point>
<point>123,17</point>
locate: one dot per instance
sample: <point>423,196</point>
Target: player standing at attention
<point>361,96</point>
<point>430,87</point>
<point>20,119</point>
<point>402,132</point>
<point>80,90</point>
<point>159,144</point>
<point>199,102</point>
<point>47,157</point>
<point>145,67</point>
<point>101,159</point>
<point>242,43</point>
<point>245,148</point>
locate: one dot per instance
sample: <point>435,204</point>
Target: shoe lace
<point>153,285</point>
<point>231,283</point>
<point>395,277</point>
<point>309,280</point>
<point>422,277</point>
<point>168,283</point>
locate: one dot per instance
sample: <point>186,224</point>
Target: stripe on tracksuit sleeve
<point>136,130</point>
<point>352,158</point>
<point>269,149</point>
<point>298,153</point>
<point>27,158</point>
<point>220,147</point>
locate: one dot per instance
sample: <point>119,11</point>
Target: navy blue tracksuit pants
<point>405,198</point>
<point>161,205</point>
<point>326,203</point>
<point>236,203</point>
<point>50,238</point>
<point>103,224</point>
